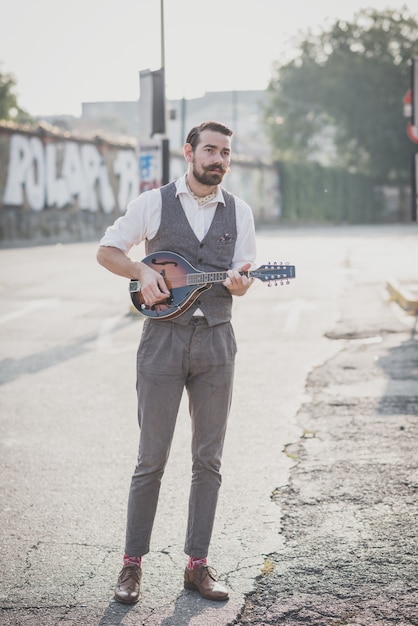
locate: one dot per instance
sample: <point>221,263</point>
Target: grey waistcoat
<point>213,254</point>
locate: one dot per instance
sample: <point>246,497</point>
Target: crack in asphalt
<point>349,509</point>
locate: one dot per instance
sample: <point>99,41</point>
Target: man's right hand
<point>153,287</point>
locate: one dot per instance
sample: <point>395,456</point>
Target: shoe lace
<point>130,571</point>
<point>211,572</point>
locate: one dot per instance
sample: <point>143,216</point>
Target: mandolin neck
<point>202,278</point>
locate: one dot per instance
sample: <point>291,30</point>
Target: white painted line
<point>30,307</point>
<point>294,309</point>
<point>104,336</point>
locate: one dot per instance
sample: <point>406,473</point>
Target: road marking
<point>294,309</point>
<point>104,336</point>
<point>30,307</point>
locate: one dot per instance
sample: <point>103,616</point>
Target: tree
<point>343,92</point>
<point>9,108</point>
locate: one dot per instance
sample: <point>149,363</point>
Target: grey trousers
<point>171,358</point>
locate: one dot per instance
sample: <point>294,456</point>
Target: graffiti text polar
<point>58,172</point>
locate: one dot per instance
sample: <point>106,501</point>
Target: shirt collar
<point>181,187</point>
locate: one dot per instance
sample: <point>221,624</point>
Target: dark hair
<point>194,134</point>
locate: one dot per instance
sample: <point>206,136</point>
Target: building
<point>241,110</point>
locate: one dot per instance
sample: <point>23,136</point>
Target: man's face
<point>211,158</point>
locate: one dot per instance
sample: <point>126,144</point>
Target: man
<point>214,231</point>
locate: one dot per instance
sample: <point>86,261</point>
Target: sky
<point>65,52</point>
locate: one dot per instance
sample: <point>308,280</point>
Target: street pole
<point>165,141</point>
<point>162,34</point>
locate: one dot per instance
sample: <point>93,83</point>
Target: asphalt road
<point>68,432</point>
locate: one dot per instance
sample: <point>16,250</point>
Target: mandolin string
<point>202,278</point>
<point>196,279</point>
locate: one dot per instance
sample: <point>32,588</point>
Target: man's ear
<point>188,152</point>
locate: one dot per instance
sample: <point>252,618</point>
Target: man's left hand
<point>236,283</point>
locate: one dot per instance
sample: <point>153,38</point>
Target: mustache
<point>212,168</point>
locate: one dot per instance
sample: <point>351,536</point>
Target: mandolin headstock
<point>275,273</point>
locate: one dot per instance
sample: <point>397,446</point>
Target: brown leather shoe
<point>203,580</point>
<point>127,589</point>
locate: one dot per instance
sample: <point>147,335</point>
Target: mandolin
<point>185,283</point>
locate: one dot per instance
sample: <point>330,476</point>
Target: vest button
<point>201,245</point>
<point>199,260</point>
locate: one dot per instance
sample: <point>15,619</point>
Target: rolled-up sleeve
<point>141,221</point>
<point>245,247</point>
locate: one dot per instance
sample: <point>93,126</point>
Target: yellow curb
<point>403,296</point>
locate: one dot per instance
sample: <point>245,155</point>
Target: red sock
<point>195,563</point>
<point>132,560</point>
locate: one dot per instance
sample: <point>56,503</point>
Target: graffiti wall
<point>58,187</point>
<point>53,185</point>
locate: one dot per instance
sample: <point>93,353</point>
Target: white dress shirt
<point>142,220</point>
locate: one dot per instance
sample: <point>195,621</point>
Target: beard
<point>207,176</point>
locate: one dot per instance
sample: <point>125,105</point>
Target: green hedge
<point>312,192</point>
